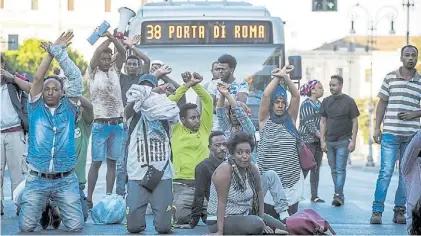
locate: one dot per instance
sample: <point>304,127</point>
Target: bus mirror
<point>297,73</point>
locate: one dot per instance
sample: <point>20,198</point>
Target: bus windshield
<point>254,64</point>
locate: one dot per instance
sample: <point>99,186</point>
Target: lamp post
<point>408,4</point>
<point>372,23</point>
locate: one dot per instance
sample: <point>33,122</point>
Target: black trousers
<point>316,150</point>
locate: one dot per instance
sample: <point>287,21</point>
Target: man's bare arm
<point>97,54</point>
<point>38,81</point>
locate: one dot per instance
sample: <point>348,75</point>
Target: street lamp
<point>408,4</point>
<point>372,27</point>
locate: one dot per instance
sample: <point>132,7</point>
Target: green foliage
<point>85,89</point>
<point>363,119</point>
<point>30,55</point>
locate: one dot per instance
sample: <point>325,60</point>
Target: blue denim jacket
<point>53,136</point>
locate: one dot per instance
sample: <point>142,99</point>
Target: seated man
<point>51,155</point>
<point>203,176</point>
<point>189,144</point>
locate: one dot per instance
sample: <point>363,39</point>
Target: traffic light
<point>325,5</point>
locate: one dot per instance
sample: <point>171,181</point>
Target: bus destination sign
<point>206,32</point>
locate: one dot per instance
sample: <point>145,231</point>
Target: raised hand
<point>288,68</point>
<point>132,41</point>
<point>6,76</point>
<point>65,38</point>
<point>106,34</point>
<point>197,78</point>
<point>223,88</point>
<point>186,76</point>
<point>45,45</point>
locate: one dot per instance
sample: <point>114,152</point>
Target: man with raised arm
<point>51,155</point>
<point>107,130</point>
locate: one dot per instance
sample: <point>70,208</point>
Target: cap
<point>150,78</point>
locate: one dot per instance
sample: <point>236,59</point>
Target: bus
<point>191,35</point>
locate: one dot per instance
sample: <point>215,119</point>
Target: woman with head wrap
<point>309,129</point>
<point>277,148</point>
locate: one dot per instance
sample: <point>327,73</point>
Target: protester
<point>14,126</point>
<point>236,117</point>
<point>277,150</point>
<point>399,110</point>
<point>52,169</point>
<point>189,144</point>
<point>411,175</point>
<point>107,130</point>
<point>203,177</point>
<point>238,87</point>
<point>144,61</point>
<point>149,167</point>
<point>309,130</point>
<point>236,196</point>
<point>133,71</point>
<point>338,131</point>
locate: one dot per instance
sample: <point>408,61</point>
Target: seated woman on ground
<point>236,198</point>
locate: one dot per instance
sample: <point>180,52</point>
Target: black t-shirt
<point>125,83</point>
<point>339,111</point>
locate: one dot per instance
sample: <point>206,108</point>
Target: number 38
<point>154,31</point>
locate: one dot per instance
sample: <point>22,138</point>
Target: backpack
<point>135,119</point>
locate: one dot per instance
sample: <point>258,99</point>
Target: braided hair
<point>240,184</point>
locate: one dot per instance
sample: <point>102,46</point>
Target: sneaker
<point>399,216</point>
<point>376,218</point>
<point>337,200</point>
<point>317,200</point>
<point>45,218</point>
<point>55,217</point>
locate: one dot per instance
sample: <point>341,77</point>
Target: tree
<point>29,55</point>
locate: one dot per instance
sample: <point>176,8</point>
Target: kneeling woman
<point>236,198</point>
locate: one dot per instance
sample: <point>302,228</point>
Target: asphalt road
<point>350,219</point>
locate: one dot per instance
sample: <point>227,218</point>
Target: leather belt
<point>13,129</point>
<point>52,176</point>
<point>111,121</point>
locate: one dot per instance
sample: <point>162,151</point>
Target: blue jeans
<point>122,177</point>
<point>337,156</point>
<point>392,149</point>
<point>107,141</point>
<point>64,191</point>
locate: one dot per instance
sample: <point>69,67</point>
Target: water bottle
<point>98,32</point>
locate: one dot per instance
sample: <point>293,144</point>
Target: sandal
<point>317,200</point>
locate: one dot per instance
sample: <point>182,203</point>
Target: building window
<point>13,42</point>
<point>34,5</point>
<point>340,71</point>
<point>1,4</point>
<point>70,5</point>
<point>108,5</point>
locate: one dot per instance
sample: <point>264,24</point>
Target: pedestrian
<point>14,127</point>
<point>309,129</point>
<point>338,131</point>
<point>236,189</point>
<point>52,156</point>
<point>399,111</point>
<point>107,129</point>
<point>277,149</point>
<point>149,167</point>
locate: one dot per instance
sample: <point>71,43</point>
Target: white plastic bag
<point>17,193</point>
<point>110,210</point>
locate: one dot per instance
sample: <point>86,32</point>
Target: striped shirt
<point>277,151</point>
<point>309,120</point>
<point>401,95</point>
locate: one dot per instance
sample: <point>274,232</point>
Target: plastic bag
<point>110,210</point>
